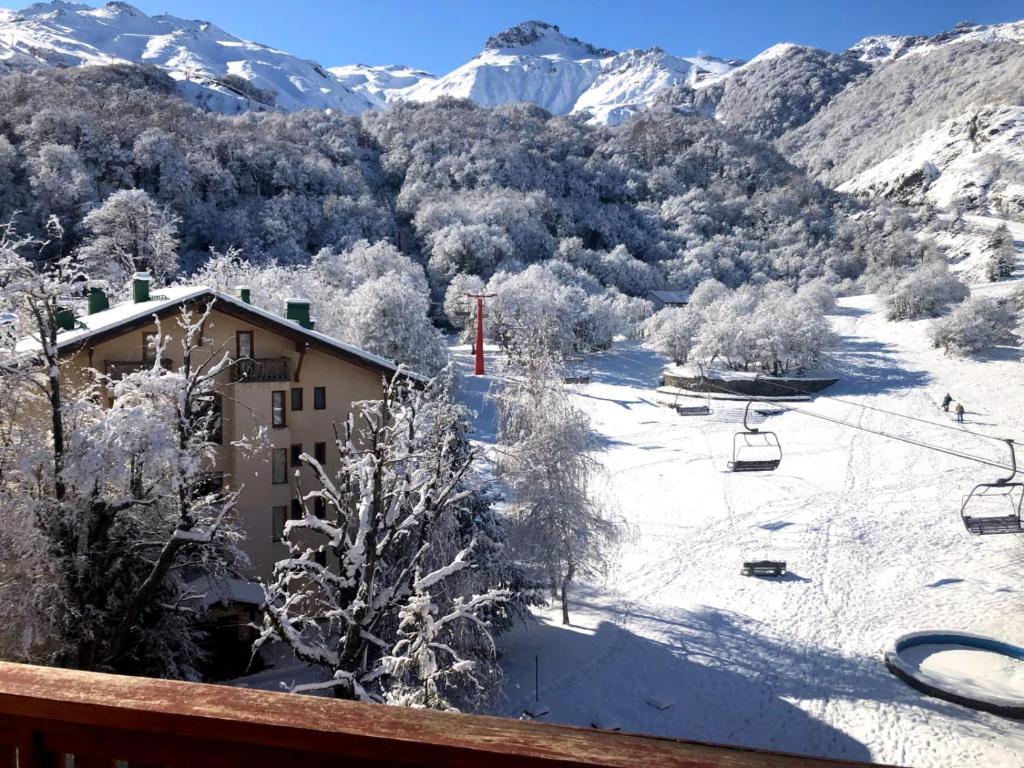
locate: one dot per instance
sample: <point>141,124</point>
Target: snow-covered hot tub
<point>975,671</point>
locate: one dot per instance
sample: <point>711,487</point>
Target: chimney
<point>65,318</point>
<point>97,301</point>
<point>297,310</point>
<point>244,293</point>
<point>140,287</point>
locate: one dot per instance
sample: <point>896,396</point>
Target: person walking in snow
<point>960,413</point>
<point>946,401</point>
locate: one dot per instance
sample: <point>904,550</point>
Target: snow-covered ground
<point>678,643</point>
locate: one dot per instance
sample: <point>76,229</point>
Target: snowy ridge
<point>881,49</point>
<point>196,53</point>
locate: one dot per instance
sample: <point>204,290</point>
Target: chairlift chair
<point>992,508</point>
<point>754,450</point>
<point>704,409</point>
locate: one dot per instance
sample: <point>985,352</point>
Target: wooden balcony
<point>48,714</point>
<point>261,370</point>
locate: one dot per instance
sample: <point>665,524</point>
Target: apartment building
<point>287,377</point>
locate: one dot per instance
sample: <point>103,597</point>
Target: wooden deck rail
<point>107,720</point>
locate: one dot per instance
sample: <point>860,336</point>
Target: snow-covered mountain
<point>535,62</point>
<point>937,120</point>
<point>214,67</point>
<point>531,62</point>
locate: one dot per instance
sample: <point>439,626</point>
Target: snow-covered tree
<point>128,233</point>
<point>1002,255</point>
<point>672,332</point>
<point>926,292</point>
<point>974,326</point>
<point>113,504</point>
<point>377,588</point>
<point>556,526</point>
<point>457,308</point>
<point>388,316</point>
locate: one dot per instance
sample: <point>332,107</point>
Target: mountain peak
<point>540,38</point>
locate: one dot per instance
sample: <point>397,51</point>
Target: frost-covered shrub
<point>671,331</point>
<point>818,293</point>
<point>926,292</point>
<point>977,324</point>
<point>769,328</point>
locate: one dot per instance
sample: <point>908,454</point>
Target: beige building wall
<point>247,406</point>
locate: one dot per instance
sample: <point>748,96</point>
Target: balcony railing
<point>48,714</point>
<point>118,369</point>
<point>261,370</point>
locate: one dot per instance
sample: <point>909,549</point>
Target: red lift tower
<point>479,346</point>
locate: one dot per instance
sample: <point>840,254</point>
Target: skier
<point>946,401</point>
<point>960,413</point>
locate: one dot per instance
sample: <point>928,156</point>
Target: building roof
<point>671,297</point>
<point>166,301</point>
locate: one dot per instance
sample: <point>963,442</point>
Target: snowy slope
<point>380,83</point>
<point>196,53</point>
<point>630,82</point>
<point>960,163</point>
<point>870,528</point>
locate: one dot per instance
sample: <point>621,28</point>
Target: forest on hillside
<point>668,199</point>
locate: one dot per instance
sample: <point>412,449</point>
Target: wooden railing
<point>262,370</point>
<point>48,714</point>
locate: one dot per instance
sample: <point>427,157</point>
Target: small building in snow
<point>662,299</point>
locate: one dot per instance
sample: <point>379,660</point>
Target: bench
<point>764,568</point>
<point>981,526</point>
<point>768,465</point>
<point>693,410</point>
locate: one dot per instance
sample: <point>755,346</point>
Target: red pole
<point>479,368</point>
<point>479,336</point>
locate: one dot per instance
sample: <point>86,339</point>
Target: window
<point>297,510</point>
<point>319,507</point>
<point>278,516</point>
<point>320,557</point>
<point>296,453</point>
<point>277,417</point>
<point>297,399</point>
<point>320,453</point>
<point>149,339</point>
<point>244,345</point>
<point>280,466</point>
<point>319,398</point>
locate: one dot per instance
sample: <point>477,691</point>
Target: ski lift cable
<point>892,413</point>
<point>880,433</point>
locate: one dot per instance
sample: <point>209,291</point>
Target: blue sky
<point>439,35</point>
